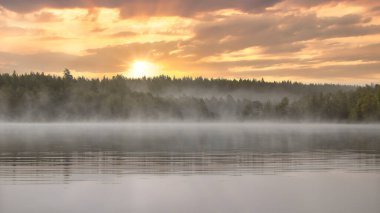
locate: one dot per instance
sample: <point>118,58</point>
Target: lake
<point>189,167</point>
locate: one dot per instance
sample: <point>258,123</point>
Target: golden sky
<point>333,41</point>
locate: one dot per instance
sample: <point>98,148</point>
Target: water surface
<point>189,167</point>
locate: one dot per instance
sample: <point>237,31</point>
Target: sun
<point>140,69</point>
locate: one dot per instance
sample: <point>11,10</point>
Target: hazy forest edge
<point>40,97</point>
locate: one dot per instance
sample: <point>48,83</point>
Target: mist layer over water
<point>187,167</point>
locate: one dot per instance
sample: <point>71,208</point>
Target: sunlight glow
<point>142,69</point>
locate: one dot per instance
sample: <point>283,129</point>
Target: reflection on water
<point>69,152</point>
<point>340,159</point>
<point>66,167</point>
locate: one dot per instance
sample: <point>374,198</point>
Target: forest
<point>40,97</point>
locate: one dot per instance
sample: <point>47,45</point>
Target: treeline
<point>41,97</point>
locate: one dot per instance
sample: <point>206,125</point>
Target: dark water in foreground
<point>189,168</point>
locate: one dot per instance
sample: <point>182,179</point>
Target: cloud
<point>330,73</point>
<point>46,61</point>
<point>253,39</point>
<point>143,7</point>
<point>29,6</point>
<point>185,8</point>
<point>273,33</point>
<point>18,31</point>
<point>377,9</point>
<point>362,53</point>
<point>46,17</point>
<point>123,34</point>
<point>102,60</point>
<point>310,3</point>
<point>115,59</point>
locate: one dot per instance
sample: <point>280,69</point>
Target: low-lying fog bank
<point>157,126</point>
<point>147,125</point>
<point>67,151</point>
<point>188,137</point>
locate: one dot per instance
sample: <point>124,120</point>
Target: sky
<point>311,41</point>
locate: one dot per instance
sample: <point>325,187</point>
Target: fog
<point>189,166</point>
<point>253,90</point>
<point>238,94</point>
<point>188,137</point>
<point>37,97</point>
<point>70,150</point>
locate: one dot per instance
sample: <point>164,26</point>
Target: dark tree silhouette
<point>67,74</point>
<point>40,97</point>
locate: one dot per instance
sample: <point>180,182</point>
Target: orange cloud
<point>321,40</point>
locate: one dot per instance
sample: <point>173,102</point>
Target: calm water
<point>125,167</point>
